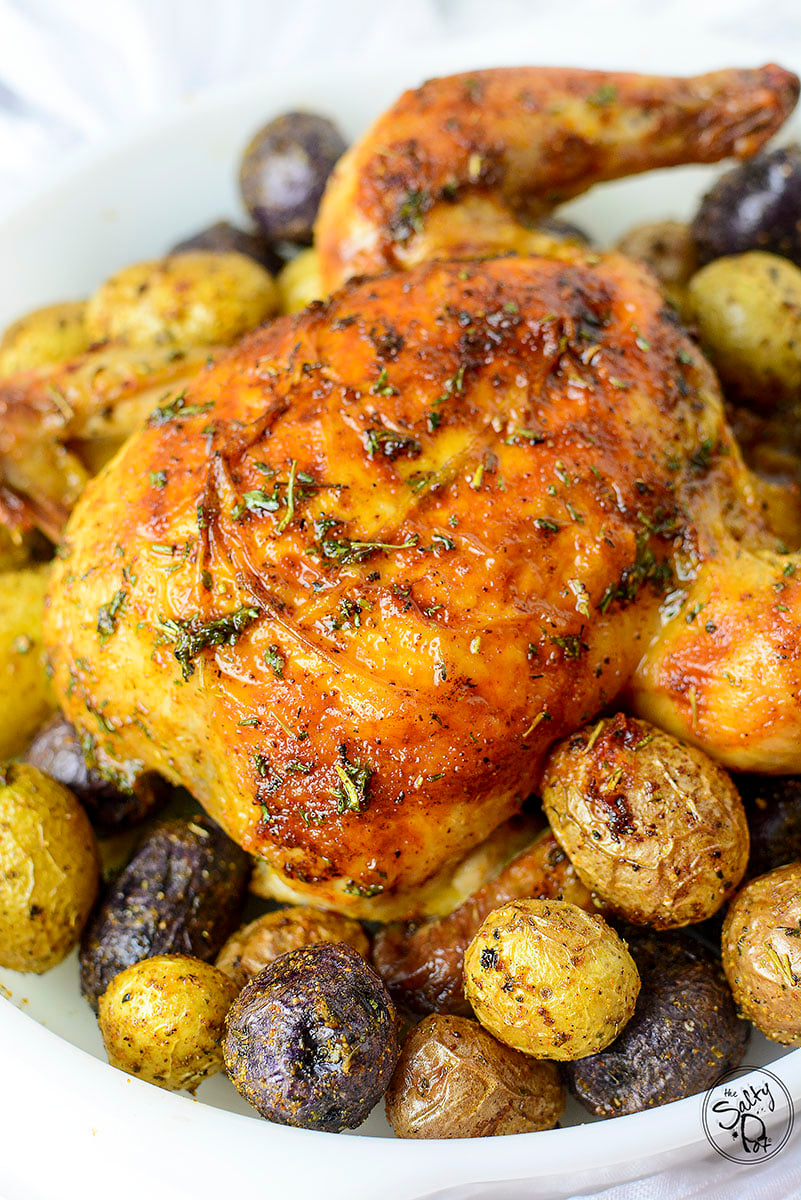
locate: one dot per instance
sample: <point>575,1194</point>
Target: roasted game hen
<point>405,540</point>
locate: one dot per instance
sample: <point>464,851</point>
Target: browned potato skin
<point>668,249</point>
<point>652,825</point>
<point>549,979</point>
<point>49,869</point>
<point>257,944</point>
<point>762,953</point>
<point>162,1019</point>
<point>454,1080</point>
<point>423,964</point>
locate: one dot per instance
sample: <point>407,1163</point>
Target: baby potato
<point>46,336</point>
<point>747,308</point>
<point>49,869</point>
<point>162,1019</point>
<point>26,697</point>
<point>762,953</point>
<point>454,1080</point>
<point>257,944</point>
<point>299,283</point>
<point>197,298</point>
<point>668,249</point>
<point>652,825</point>
<point>550,979</point>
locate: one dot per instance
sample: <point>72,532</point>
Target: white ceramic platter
<point>71,1125</point>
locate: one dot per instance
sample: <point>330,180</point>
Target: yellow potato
<point>748,311</point>
<point>44,337</point>
<point>651,825</point>
<point>26,698</point>
<point>162,1019</point>
<point>550,979</point>
<point>762,953</point>
<point>299,282</point>
<point>198,298</point>
<point>49,869</point>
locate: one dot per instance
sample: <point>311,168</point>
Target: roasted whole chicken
<point>405,540</point>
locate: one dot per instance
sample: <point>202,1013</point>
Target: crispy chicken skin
<point>455,165</point>
<point>400,543</point>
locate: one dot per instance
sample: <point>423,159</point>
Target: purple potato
<point>56,750</point>
<point>284,171</point>
<point>684,1033</point>
<point>181,893</point>
<point>223,237</point>
<point>312,1040</point>
<point>755,206</point>
<point>773,810</point>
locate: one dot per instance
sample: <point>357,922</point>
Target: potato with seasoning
<point>181,893</point>
<point>454,1080</point>
<point>44,337</point>
<point>651,824</point>
<point>684,1034</point>
<point>312,1039</point>
<point>56,750</point>
<point>667,248</point>
<point>222,237</point>
<point>422,963</point>
<point>762,953</point>
<point>275,933</point>
<point>747,308</point>
<point>26,698</point>
<point>49,869</point>
<point>773,809</point>
<point>299,282</point>
<point>550,979</point>
<point>190,299</point>
<point>162,1019</point>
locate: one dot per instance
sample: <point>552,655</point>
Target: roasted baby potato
<point>255,945</point>
<point>284,171</point>
<point>312,1039</point>
<point>748,312</point>
<point>222,237</point>
<point>422,963</point>
<point>49,869</point>
<point>162,1019</point>
<point>181,893</point>
<point>454,1080</point>
<point>684,1034</point>
<point>194,299</point>
<point>299,283</point>
<point>26,698</point>
<point>773,809</point>
<point>755,206</point>
<point>46,336</point>
<point>762,953</point>
<point>57,751</point>
<point>550,979</point>
<point>652,825</point>
<point>667,248</point>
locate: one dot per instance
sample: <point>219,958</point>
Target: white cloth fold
<point>74,72</point>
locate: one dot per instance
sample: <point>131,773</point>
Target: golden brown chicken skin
<point>462,164</point>
<point>350,588</point>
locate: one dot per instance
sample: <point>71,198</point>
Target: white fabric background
<point>79,71</point>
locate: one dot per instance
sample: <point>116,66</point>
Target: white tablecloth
<point>78,71</point>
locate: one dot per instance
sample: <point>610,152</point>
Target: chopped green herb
<point>571,645</point>
<point>392,443</point>
<point>158,479</point>
<point>352,794</point>
<point>194,635</point>
<point>177,408</point>
<point>275,660</point>
<point>546,524</point>
<point>107,615</point>
<point>343,550</point>
<point>604,95</point>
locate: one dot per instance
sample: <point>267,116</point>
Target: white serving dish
<point>70,1124</point>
